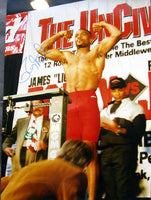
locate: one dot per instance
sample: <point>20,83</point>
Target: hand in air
<point>97,27</point>
<point>67,34</point>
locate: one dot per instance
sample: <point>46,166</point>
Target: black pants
<point>23,156</point>
<point>117,167</point>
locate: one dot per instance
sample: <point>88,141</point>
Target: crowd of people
<point>118,128</point>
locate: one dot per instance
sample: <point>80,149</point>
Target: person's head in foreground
<point>76,152</point>
<point>62,178</point>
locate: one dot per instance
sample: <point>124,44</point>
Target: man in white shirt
<point>31,136</point>
<point>123,124</point>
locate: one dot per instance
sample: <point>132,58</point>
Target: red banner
<point>16,26</point>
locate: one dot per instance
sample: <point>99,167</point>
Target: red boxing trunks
<point>83,117</point>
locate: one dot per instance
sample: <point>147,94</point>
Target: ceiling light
<point>39,4</point>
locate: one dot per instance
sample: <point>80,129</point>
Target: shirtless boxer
<point>83,71</point>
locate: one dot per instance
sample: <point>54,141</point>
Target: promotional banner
<point>16,26</point>
<point>130,58</point>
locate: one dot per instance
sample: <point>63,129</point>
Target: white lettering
<point>55,127</point>
<point>10,37</point>
<point>53,154</point>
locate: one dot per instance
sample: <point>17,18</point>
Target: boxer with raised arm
<point>83,71</point>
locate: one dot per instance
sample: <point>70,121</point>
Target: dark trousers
<point>117,167</point>
<point>27,156</point>
<point>23,156</point>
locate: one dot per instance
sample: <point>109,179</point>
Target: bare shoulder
<point>97,50</point>
<point>68,53</point>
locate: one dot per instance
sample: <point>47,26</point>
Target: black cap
<point>117,83</point>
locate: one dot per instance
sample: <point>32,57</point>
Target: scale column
<point>58,123</point>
